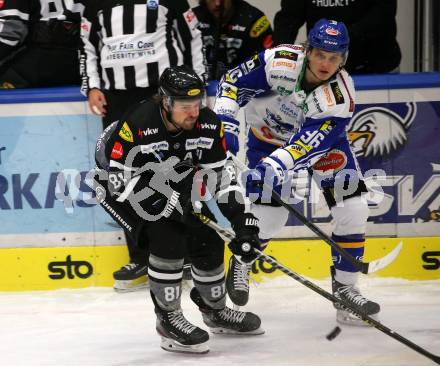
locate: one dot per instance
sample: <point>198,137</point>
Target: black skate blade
<point>171,345</point>
<point>220,330</point>
<point>347,318</point>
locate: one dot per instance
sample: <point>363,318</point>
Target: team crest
<point>379,131</point>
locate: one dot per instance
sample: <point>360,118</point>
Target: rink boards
<point>53,235</point>
<point>24,269</point>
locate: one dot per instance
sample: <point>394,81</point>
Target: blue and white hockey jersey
<point>280,113</point>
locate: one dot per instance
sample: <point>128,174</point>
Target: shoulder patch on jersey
<point>244,68</point>
<point>155,146</point>
<point>199,142</point>
<point>286,55</point>
<point>339,97</point>
<point>252,64</point>
<point>327,126</point>
<point>327,95</point>
<point>351,108</point>
<point>259,27</point>
<point>152,4</point>
<point>191,19</point>
<point>117,150</point>
<point>334,161</point>
<point>125,133</point>
<point>229,91</point>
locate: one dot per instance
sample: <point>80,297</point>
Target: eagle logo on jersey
<point>379,131</point>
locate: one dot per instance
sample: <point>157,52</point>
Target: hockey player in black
<point>150,164</point>
<point>126,46</point>
<point>39,43</point>
<point>232,30</point>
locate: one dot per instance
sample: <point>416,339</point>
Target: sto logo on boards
<point>431,260</point>
<point>70,268</point>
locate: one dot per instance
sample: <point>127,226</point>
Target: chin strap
<point>168,116</point>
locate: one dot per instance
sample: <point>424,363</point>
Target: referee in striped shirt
<point>126,44</point>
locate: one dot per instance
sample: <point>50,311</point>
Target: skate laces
<point>352,293</point>
<point>130,266</point>
<point>177,319</point>
<point>232,316</point>
<point>241,276</point>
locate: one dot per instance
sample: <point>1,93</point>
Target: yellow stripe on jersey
<point>352,245</point>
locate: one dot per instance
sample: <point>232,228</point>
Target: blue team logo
<point>274,121</point>
<point>152,4</point>
<point>379,131</point>
<point>401,139</point>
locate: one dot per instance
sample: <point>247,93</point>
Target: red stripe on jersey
<point>349,95</point>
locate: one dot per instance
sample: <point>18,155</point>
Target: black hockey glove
<point>246,238</point>
<point>177,203</point>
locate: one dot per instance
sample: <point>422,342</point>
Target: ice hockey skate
<point>226,320</point>
<point>131,277</point>
<point>178,334</point>
<point>237,281</point>
<point>352,295</point>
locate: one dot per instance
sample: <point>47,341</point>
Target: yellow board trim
<point>26,269</point>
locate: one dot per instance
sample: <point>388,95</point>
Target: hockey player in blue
<point>299,101</point>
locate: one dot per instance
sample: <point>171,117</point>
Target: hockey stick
<point>364,267</point>
<point>229,235</point>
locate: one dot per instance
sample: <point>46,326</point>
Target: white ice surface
<point>98,327</point>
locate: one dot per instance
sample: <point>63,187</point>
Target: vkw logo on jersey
<point>379,131</point>
<point>147,132</point>
<point>208,126</point>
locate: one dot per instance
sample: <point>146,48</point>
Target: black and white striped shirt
<point>128,43</point>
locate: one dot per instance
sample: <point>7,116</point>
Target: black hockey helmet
<point>181,82</point>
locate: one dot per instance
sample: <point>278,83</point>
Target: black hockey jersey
<point>141,140</point>
<point>42,22</point>
<point>246,33</point>
<point>371,25</point>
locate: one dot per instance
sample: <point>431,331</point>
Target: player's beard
<point>188,123</point>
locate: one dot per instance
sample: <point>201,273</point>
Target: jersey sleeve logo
<point>117,151</point>
<point>125,133</point>
<point>152,4</point>
<point>260,26</point>
<point>286,55</point>
<point>339,97</point>
<point>334,161</point>
<point>328,97</point>
<point>229,91</point>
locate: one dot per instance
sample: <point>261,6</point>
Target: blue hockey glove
<point>232,130</point>
<point>256,179</point>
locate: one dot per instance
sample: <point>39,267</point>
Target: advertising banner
<point>397,145</point>
<point>46,150</point>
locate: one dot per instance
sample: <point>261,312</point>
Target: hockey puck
<point>333,334</point>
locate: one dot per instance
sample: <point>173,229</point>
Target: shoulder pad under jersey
<point>335,98</point>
